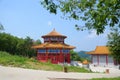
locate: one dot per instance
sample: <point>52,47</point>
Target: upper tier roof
<point>100,50</point>
<point>54,33</point>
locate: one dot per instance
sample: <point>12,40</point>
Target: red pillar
<point>46,55</point>
<point>61,56</point>
<point>68,58</point>
<point>106,59</point>
<point>98,59</point>
<point>49,39</point>
<point>37,54</point>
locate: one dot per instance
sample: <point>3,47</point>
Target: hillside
<point>7,59</point>
<point>83,54</point>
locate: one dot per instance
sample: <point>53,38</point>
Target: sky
<point>24,18</point>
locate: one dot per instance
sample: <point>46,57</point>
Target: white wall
<point>94,60</point>
<point>102,60</point>
<point>110,61</point>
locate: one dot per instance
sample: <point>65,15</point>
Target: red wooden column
<point>46,54</point>
<point>98,58</point>
<point>61,56</point>
<point>49,39</point>
<point>106,59</point>
<point>37,54</point>
<point>68,58</point>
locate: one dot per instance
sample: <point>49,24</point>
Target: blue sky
<point>28,18</point>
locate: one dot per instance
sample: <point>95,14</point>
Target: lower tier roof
<point>53,45</point>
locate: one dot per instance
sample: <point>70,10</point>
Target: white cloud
<point>49,23</point>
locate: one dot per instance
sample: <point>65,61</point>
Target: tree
<point>114,44</point>
<point>75,56</point>
<point>1,27</point>
<point>96,13</point>
<point>17,46</point>
<point>28,43</point>
<point>37,42</point>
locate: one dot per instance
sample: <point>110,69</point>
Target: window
<point>54,38</point>
<point>54,51</point>
<point>65,51</point>
<point>57,51</point>
<point>41,51</point>
<point>46,39</point>
<point>61,39</point>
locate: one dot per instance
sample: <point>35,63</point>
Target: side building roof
<point>100,50</point>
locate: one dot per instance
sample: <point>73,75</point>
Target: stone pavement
<point>11,73</point>
<point>66,79</point>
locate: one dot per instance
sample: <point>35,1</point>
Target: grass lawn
<point>17,61</point>
<point>117,78</point>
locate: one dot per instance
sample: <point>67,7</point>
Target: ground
<point>11,73</point>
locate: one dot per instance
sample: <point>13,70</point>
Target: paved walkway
<point>10,73</point>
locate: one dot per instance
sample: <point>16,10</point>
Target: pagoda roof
<point>54,33</point>
<point>85,62</point>
<point>100,50</point>
<point>53,45</point>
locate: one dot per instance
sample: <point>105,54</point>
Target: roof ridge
<point>100,50</point>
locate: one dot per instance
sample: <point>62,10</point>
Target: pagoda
<point>53,49</point>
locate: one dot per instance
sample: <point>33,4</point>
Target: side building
<point>54,49</point>
<point>101,57</point>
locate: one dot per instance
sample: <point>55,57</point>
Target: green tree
<point>37,42</point>
<point>8,43</point>
<point>96,13</point>
<point>114,44</point>
<point>16,46</point>
<point>28,42</point>
<point>75,56</point>
<point>1,27</point>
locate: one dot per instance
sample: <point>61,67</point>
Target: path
<point>10,73</point>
